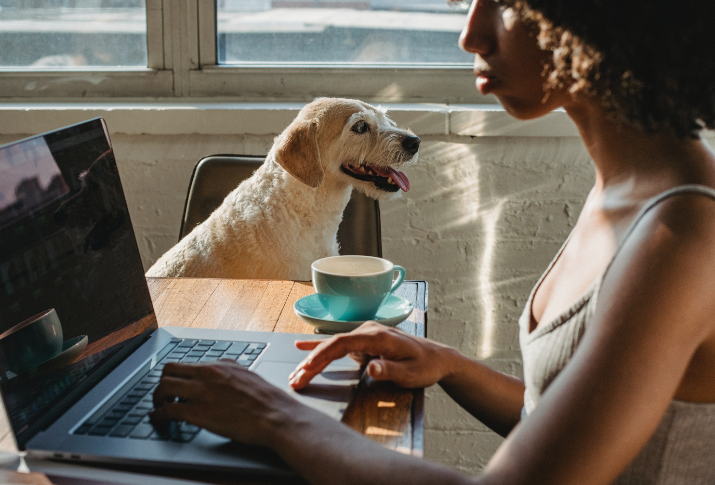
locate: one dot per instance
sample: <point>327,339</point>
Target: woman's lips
<point>486,83</point>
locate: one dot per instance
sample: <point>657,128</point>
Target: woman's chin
<point>526,110</point>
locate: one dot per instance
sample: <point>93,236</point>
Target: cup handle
<point>396,283</point>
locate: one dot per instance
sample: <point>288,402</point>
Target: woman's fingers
<point>358,345</point>
<point>342,345</point>
<point>173,411</point>
<point>171,389</point>
<point>360,358</point>
<point>307,344</point>
<point>369,340</point>
<point>175,369</point>
<point>321,356</point>
<point>389,370</point>
<point>223,398</point>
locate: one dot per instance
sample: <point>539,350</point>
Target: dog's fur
<point>276,223</point>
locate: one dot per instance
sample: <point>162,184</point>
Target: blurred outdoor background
<point>112,33</point>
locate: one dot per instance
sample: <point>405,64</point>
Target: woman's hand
<point>226,399</point>
<point>393,355</point>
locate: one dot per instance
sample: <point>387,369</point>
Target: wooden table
<point>381,411</point>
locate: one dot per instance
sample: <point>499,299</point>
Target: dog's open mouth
<point>384,178</point>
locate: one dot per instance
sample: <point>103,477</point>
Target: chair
<point>217,175</point>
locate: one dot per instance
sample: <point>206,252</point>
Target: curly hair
<point>651,63</point>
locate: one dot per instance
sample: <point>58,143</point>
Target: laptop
<point>67,246</point>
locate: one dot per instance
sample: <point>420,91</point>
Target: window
<point>72,33</point>
<point>378,32</point>
<point>242,50</point>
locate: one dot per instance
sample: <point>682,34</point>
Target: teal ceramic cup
<point>31,342</point>
<point>353,288</point>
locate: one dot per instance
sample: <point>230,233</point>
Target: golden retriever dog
<point>276,223</point>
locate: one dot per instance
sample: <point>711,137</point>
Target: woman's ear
<point>297,152</point>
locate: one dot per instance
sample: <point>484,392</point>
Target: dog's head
<point>347,141</point>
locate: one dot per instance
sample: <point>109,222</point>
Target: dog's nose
<point>411,144</point>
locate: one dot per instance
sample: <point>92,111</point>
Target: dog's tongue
<point>399,177</point>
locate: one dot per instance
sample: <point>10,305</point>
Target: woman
<point>618,336</point>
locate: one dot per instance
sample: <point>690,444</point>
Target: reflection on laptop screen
<point>73,297</point>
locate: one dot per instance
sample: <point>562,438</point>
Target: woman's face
<point>508,61</point>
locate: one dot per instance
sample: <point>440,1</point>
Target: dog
<point>276,223</point>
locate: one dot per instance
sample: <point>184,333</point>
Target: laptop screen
<point>73,297</point>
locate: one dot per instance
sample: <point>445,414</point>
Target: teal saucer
<point>394,311</point>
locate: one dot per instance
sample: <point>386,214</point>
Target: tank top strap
<point>681,189</point>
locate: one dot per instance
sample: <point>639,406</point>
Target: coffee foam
<point>352,268</point>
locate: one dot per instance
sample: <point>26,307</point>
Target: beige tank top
<point>682,449</point>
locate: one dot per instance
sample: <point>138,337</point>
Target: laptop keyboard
<point>125,415</point>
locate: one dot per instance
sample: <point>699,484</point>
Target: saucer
<point>71,350</point>
<point>394,311</point>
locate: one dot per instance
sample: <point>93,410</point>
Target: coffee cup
<point>31,342</point>
<point>353,288</point>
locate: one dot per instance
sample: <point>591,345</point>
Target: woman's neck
<point>640,163</point>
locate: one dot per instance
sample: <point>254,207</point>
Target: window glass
<point>381,32</point>
<point>72,33</point>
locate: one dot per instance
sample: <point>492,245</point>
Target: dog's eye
<point>360,127</point>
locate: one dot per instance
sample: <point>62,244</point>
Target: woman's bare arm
<point>494,398</point>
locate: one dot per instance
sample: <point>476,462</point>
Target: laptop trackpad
<point>329,391</point>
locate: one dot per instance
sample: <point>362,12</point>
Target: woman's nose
<point>477,37</point>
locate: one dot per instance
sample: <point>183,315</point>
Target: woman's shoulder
<point>687,211</point>
<point>681,219</point>
<point>669,255</point>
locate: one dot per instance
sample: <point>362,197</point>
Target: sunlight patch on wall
<point>486,286</point>
<point>471,212</point>
<point>459,182</point>
<point>483,216</point>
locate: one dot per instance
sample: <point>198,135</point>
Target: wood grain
<point>157,287</point>
<point>10,477</point>
<point>182,300</point>
<point>383,412</point>
<point>288,321</point>
<point>273,302</point>
<point>231,304</point>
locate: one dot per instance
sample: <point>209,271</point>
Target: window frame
<point>182,63</point>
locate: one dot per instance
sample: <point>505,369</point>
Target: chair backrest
<point>216,176</point>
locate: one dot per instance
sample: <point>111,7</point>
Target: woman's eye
<point>360,127</point>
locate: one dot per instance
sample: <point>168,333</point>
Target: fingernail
<point>376,368</point>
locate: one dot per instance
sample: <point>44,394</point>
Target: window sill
<point>23,84</point>
<point>216,118</point>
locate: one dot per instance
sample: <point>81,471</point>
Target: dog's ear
<point>297,152</point>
